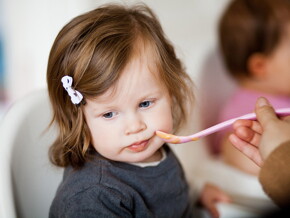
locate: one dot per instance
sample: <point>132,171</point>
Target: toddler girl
<point>113,80</point>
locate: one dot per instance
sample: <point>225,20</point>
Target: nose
<point>134,124</point>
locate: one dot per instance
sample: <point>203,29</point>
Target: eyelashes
<point>143,105</point>
<point>109,115</point>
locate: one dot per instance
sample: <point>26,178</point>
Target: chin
<point>148,157</point>
<point>139,158</point>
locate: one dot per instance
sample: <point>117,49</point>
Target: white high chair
<point>28,180</point>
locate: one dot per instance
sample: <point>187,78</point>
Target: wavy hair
<point>93,48</point>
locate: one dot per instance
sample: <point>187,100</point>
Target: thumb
<point>264,111</point>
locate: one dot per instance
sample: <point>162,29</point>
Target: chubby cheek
<point>103,141</point>
<point>165,124</point>
<point>163,121</point>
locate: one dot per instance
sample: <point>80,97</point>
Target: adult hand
<point>257,139</point>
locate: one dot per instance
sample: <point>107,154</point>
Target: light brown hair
<point>251,26</point>
<point>93,48</point>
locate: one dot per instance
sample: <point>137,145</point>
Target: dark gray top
<point>104,188</point>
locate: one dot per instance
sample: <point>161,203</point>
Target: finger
<point>287,118</point>
<point>213,210</point>
<point>221,197</point>
<point>239,123</point>
<point>254,125</point>
<point>248,135</point>
<point>246,148</point>
<point>265,112</point>
<point>219,194</point>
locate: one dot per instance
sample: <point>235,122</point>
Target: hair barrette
<point>75,96</point>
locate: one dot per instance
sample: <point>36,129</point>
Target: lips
<point>138,146</point>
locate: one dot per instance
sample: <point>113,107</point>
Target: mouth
<point>138,146</point>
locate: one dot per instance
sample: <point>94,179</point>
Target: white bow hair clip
<point>75,96</point>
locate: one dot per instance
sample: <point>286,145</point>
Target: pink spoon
<point>174,139</point>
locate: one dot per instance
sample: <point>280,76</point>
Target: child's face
<point>123,120</point>
<point>278,67</point>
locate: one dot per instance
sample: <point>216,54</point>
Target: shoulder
<point>93,190</point>
<point>97,174</point>
<point>241,102</point>
<point>244,100</point>
<point>95,201</point>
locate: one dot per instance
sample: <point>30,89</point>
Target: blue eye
<point>145,104</point>
<point>109,115</point>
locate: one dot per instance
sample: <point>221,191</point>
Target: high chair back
<point>28,180</point>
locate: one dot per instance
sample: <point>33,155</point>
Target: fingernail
<point>263,102</point>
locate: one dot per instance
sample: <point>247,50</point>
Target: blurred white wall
<point>30,27</point>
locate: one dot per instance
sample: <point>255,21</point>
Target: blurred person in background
<point>254,38</point>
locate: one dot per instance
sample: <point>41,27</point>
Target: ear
<point>257,65</point>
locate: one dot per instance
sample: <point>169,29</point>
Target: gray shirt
<point>104,188</point>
